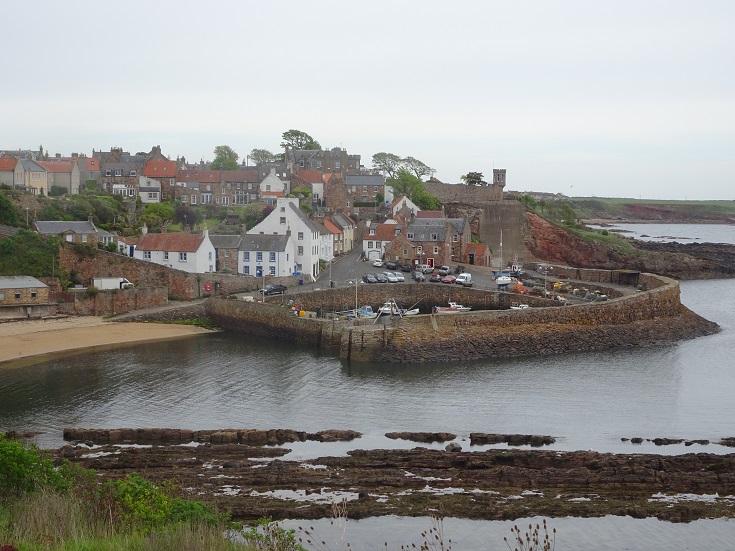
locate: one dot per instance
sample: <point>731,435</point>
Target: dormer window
<point>118,172</point>
<point>372,231</point>
<point>410,235</point>
<point>434,236</point>
<point>133,172</point>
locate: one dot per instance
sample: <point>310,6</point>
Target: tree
<point>225,158</point>
<point>261,156</point>
<point>184,214</point>
<point>9,213</point>
<point>296,139</point>
<point>405,183</point>
<point>425,200</point>
<point>387,163</point>
<point>419,168</point>
<point>164,211</point>
<point>473,179</point>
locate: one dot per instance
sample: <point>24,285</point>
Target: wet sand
<point>27,341</point>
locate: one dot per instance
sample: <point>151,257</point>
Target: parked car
<point>369,278</point>
<point>449,279</point>
<point>406,268</point>
<point>444,270</point>
<point>391,277</point>
<point>425,268</point>
<point>399,277</point>
<point>381,278</point>
<point>273,289</point>
<point>435,278</point>
<point>391,265</point>
<point>378,263</point>
<point>418,275</point>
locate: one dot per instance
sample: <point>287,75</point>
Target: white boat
<point>503,281</point>
<point>391,308</point>
<point>363,312</point>
<point>519,306</point>
<point>453,308</point>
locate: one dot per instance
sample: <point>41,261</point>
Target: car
<point>418,275</point>
<point>273,289</point>
<point>444,270</point>
<point>435,278</point>
<point>381,278</point>
<point>378,263</point>
<point>425,268</point>
<point>399,277</point>
<point>406,268</point>
<point>391,277</point>
<point>369,278</point>
<point>391,265</point>
<point>449,279</point>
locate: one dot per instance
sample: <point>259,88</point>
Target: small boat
<point>391,308</point>
<point>503,281</point>
<point>453,308</point>
<point>519,306</point>
<point>363,312</point>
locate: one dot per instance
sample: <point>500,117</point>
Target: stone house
<point>438,241</point>
<point>226,247</point>
<point>85,233</point>
<point>263,255</point>
<point>364,190</point>
<point>238,187</point>
<point>400,250</point>
<point>23,296</point>
<point>89,171</point>
<point>9,172</point>
<point>189,252</point>
<point>378,236</point>
<point>311,180</point>
<point>288,219</point>
<point>164,172</point>
<point>62,173</point>
<point>476,254</point>
<point>326,241</point>
<point>149,190</point>
<point>35,177</point>
<point>272,188</point>
<point>199,186</point>
<point>120,170</point>
<point>324,160</point>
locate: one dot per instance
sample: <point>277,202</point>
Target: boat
<point>503,281</point>
<point>390,307</point>
<point>519,306</point>
<point>453,308</point>
<point>363,312</point>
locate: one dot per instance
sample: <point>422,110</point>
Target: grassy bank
<point>616,208</point>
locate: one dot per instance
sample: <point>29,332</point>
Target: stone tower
<point>499,177</point>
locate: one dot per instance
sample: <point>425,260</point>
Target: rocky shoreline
<point>255,481</point>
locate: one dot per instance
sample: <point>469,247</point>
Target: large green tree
<point>296,139</point>
<point>387,164</point>
<point>261,156</point>
<point>405,183</point>
<point>225,158</point>
<point>419,168</point>
<point>473,179</point>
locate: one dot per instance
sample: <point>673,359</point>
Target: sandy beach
<point>27,340</point>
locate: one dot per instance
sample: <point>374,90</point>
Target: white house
<point>190,252</point>
<point>272,188</point>
<point>326,242</point>
<point>149,190</point>
<point>288,219</point>
<point>260,255</point>
<point>378,236</point>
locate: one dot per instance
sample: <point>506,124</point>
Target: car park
<point>273,289</point>
<point>391,265</point>
<point>391,277</point>
<point>435,278</point>
<point>418,275</point>
<point>444,270</point>
<point>449,279</point>
<point>369,278</point>
<point>378,263</point>
<point>381,278</point>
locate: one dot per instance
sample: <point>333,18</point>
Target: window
<point>454,239</point>
<point>272,256</point>
<point>118,172</point>
<point>2,296</point>
<point>246,270</point>
<point>246,256</point>
<point>250,185</point>
<point>210,255</point>
<point>17,294</point>
<point>182,257</point>
<point>434,236</point>
<point>34,294</point>
<point>165,255</point>
<point>372,231</point>
<point>364,198</point>
<point>133,172</point>
<point>300,235</point>
<point>108,172</point>
<point>283,219</point>
<point>272,270</point>
<point>410,235</point>
<point>436,250</point>
<point>227,253</point>
<point>337,165</point>
<point>283,209</point>
<point>348,204</point>
<point>370,244</point>
<point>259,257</point>
<point>146,255</point>
<point>300,251</point>
<point>420,249</point>
<point>193,199</point>
<point>84,238</point>
<point>364,189</point>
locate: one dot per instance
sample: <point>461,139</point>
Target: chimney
<point>144,230</point>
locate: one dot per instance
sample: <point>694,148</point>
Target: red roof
<point>171,242</point>
<point>273,193</point>
<point>128,240</point>
<point>199,176</point>
<point>384,232</point>
<point>309,176</point>
<point>478,249</point>
<point>154,169</point>
<point>92,164</point>
<point>429,214</point>
<point>396,201</point>
<point>8,163</point>
<point>331,227</point>
<point>56,166</point>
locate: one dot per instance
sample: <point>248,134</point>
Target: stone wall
<point>119,301</point>
<point>462,193</point>
<point>181,285</point>
<point>653,316</point>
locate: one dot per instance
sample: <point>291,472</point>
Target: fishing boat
<point>390,307</point>
<point>502,281</point>
<point>453,308</point>
<point>363,312</point>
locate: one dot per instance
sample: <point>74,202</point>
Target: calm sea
<point>586,400</point>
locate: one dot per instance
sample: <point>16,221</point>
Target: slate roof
<point>225,241</point>
<point>263,242</point>
<point>7,163</point>
<point>200,176</point>
<point>343,221</point>
<point>242,175</point>
<point>303,217</point>
<point>423,231</point>
<point>53,227</point>
<point>171,242</point>
<point>32,166</point>
<point>366,180</point>
<point>20,282</point>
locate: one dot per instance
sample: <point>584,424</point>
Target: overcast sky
<point>612,99</point>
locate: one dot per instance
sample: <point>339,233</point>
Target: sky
<point>585,98</point>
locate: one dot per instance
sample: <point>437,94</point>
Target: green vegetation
<point>225,158</point>
<point>653,209</point>
<point>9,213</point>
<point>410,185</point>
<point>27,253</point>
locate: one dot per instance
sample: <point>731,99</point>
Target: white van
<point>464,279</point>
<point>425,268</point>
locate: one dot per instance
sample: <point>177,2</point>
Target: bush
<point>24,470</point>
